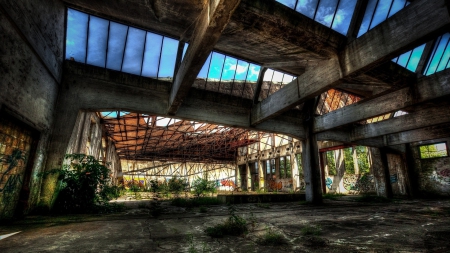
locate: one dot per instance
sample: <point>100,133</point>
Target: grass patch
<point>372,199</point>
<point>272,238</point>
<point>189,203</point>
<point>234,225</point>
<point>332,196</point>
<point>311,230</point>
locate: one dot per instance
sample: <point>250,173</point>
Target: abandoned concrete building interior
<point>321,102</point>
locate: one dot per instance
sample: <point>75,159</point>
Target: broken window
<point>433,150</point>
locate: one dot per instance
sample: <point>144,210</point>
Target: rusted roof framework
<point>140,136</point>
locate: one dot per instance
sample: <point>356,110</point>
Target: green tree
<point>202,186</point>
<point>348,160</point>
<point>331,163</point>
<point>177,185</point>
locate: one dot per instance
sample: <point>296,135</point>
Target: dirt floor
<point>341,225</point>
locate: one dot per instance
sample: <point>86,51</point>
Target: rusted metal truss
<point>146,137</point>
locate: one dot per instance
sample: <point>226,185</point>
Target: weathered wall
<point>434,173</point>
<point>31,56</point>
<point>88,138</point>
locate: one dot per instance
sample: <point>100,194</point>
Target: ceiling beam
<point>414,25</point>
<point>426,88</point>
<point>210,24</point>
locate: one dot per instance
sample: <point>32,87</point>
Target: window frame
<point>432,144</point>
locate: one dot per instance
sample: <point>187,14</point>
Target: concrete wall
<point>31,56</point>
<point>434,173</point>
<point>88,138</point>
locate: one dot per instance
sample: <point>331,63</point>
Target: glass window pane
<point>397,6</point>
<point>168,58</point>
<point>151,55</point>
<point>444,58</point>
<point>76,39</point>
<point>253,73</point>
<point>415,58</point>
<point>403,59</point>
<point>98,36</point>
<point>344,16</point>
<point>288,3</point>
<point>307,7</point>
<point>367,17</point>
<point>215,70</point>
<point>241,70</point>
<point>287,79</point>
<point>381,12</point>
<point>268,75</point>
<point>277,77</point>
<point>438,53</point>
<point>229,69</point>
<point>325,12</point>
<point>204,71</point>
<point>134,51</point>
<point>116,45</point>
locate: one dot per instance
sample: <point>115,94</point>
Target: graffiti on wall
<point>329,183</point>
<point>280,185</point>
<point>393,178</point>
<point>227,182</point>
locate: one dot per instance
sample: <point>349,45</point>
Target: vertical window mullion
<point>209,69</point>
<point>221,73</point>
<point>107,43</point>
<point>315,12</point>
<point>87,38</point>
<point>433,54</point>
<point>245,81</point>
<point>143,53</point>
<point>373,14</point>
<point>442,56</point>
<point>124,48</point>
<point>160,54</point>
<point>335,12</point>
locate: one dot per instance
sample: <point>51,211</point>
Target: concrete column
<point>295,172</point>
<point>237,181</point>
<point>310,157</point>
<point>248,174</point>
<point>261,174</point>
<point>277,168</point>
<point>379,168</point>
<point>355,160</point>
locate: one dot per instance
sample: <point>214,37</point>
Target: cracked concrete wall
<point>433,173</point>
<point>31,56</point>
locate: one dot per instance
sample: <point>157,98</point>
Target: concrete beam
<point>414,25</point>
<point>210,24</point>
<point>426,88</point>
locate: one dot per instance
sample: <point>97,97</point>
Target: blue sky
<point>129,49</point>
<point>379,13</point>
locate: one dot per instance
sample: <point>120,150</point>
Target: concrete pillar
<point>310,157</point>
<point>379,167</point>
<point>237,180</point>
<point>261,174</point>
<point>355,161</point>
<point>248,174</point>
<point>277,168</point>
<point>413,177</point>
<point>295,172</point>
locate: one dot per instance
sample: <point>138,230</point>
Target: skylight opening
<point>399,113</point>
<point>335,14</point>
<point>378,11</point>
<point>107,44</point>
<point>229,75</point>
<point>410,59</point>
<point>273,81</point>
<point>440,55</point>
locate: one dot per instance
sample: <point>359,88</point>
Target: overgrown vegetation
<point>85,186</point>
<point>201,186</point>
<point>234,225</point>
<point>311,230</point>
<point>272,238</point>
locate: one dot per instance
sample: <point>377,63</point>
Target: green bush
<point>84,184</point>
<point>234,225</point>
<point>202,186</point>
<point>271,238</point>
<point>177,185</point>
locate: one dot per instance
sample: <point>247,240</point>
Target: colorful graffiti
<point>274,185</point>
<point>226,182</point>
<point>128,182</point>
<point>329,183</point>
<point>444,173</point>
<point>393,178</point>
